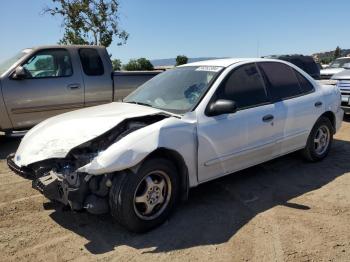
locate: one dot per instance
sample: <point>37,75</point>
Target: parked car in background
<point>306,63</point>
<point>343,83</point>
<point>41,82</point>
<point>184,127</point>
<point>335,67</point>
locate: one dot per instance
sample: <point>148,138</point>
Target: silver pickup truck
<point>41,82</point>
<point>343,82</point>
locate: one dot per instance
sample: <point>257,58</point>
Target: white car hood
<point>331,71</point>
<point>56,136</point>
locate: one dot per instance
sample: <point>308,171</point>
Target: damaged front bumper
<point>57,187</point>
<point>22,171</point>
<point>77,190</point>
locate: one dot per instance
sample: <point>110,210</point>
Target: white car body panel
<point>132,149</point>
<point>232,142</point>
<point>56,136</point>
<point>210,146</point>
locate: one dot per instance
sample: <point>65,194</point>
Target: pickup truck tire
<point>143,200</point>
<point>320,140</point>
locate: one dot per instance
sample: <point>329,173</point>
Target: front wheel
<point>144,200</point>
<point>319,141</point>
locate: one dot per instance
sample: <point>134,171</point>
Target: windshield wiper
<point>139,103</point>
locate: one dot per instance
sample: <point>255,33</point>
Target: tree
<point>145,64</point>
<point>326,60</point>
<point>89,21</point>
<point>117,64</point>
<point>141,64</point>
<point>337,52</point>
<point>181,60</point>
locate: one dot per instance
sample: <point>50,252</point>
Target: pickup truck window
<point>91,62</point>
<point>244,86</point>
<point>281,81</point>
<point>49,63</point>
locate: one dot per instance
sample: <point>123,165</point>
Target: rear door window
<point>244,86</point>
<point>91,62</point>
<point>280,79</point>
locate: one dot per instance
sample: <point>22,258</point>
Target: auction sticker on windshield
<point>209,68</point>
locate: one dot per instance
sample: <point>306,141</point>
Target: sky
<point>195,28</point>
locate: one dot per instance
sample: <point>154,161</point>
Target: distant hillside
<point>328,55</point>
<point>172,62</point>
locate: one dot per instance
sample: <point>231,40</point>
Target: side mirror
<point>19,73</point>
<point>221,106</point>
<point>346,66</point>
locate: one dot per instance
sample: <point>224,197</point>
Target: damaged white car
<point>186,126</point>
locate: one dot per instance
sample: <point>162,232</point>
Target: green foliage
<point>181,60</point>
<point>117,64</point>
<point>326,60</point>
<point>89,21</point>
<point>337,52</point>
<point>145,64</point>
<point>141,64</point>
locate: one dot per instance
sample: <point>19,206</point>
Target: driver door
<point>231,142</point>
<point>50,88</point>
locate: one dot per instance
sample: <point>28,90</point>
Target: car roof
<point>225,62</point>
<point>65,46</point>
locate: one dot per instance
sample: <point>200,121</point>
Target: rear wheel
<point>319,141</point>
<point>144,200</point>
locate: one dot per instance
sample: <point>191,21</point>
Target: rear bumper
<point>22,171</point>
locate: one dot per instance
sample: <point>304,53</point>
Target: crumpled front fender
<point>171,133</point>
<point>126,153</point>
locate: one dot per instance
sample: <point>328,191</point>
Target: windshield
<point>339,63</point>
<point>4,65</point>
<point>177,90</point>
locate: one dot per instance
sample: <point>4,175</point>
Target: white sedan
<point>186,126</point>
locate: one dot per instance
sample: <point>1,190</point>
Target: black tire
<point>310,151</point>
<point>125,186</point>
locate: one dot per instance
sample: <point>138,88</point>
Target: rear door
<point>227,143</point>
<point>52,86</point>
<point>97,73</point>
<point>296,102</point>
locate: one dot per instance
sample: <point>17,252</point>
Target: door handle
<point>73,86</point>
<point>318,104</point>
<point>267,118</point>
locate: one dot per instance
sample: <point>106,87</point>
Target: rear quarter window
<point>305,85</point>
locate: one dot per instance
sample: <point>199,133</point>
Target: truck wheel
<point>319,141</point>
<point>144,200</point>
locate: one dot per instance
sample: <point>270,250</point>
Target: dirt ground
<point>283,210</point>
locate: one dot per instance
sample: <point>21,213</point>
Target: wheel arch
<point>331,116</point>
<point>180,164</point>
